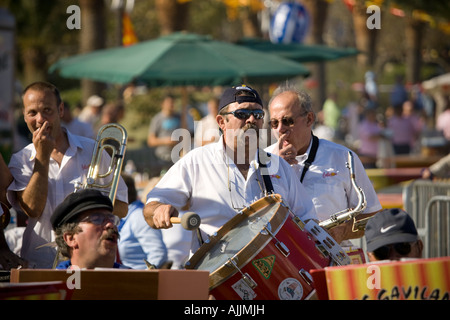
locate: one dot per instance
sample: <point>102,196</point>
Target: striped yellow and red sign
<point>422,279</point>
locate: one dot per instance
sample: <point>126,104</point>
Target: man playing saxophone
<point>47,170</point>
<point>321,165</point>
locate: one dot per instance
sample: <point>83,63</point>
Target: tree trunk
<point>92,38</point>
<point>318,10</point>
<point>414,33</point>
<point>250,23</point>
<point>365,38</point>
<point>172,15</point>
<point>34,58</point>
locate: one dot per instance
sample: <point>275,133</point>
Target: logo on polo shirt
<point>329,174</point>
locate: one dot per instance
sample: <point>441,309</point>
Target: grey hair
<point>304,99</point>
<point>71,227</point>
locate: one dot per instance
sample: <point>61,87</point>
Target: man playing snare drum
<point>218,180</point>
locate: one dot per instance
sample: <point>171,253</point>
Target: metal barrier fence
<point>437,227</point>
<point>427,203</point>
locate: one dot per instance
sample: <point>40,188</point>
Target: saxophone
<point>350,213</point>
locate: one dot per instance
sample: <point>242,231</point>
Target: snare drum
<point>262,253</point>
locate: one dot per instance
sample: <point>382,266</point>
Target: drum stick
<point>189,220</point>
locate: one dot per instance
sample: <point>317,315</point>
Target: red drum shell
<point>279,274</point>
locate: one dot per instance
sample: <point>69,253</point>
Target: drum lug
<point>282,248</point>
<point>245,276</point>
<point>280,245</point>
<point>306,276</point>
<point>299,222</point>
<point>327,243</point>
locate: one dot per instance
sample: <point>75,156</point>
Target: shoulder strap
<point>311,156</point>
<point>266,177</point>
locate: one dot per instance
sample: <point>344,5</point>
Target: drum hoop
<point>252,248</point>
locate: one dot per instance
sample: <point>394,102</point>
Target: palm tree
<point>172,15</point>
<point>417,12</point>
<point>318,10</point>
<point>92,37</point>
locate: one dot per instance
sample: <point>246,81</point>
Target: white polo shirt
<point>200,180</point>
<point>328,180</point>
<point>61,182</point>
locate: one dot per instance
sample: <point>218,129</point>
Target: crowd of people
<point>216,180</point>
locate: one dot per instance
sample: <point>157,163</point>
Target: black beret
<point>77,203</point>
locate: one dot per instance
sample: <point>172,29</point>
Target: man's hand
<point>43,141</point>
<point>158,215</point>
<point>285,149</point>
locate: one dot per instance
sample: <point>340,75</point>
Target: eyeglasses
<point>382,253</point>
<point>286,121</point>
<point>99,219</point>
<point>244,114</point>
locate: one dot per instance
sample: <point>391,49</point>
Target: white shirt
<point>61,182</point>
<point>200,179</point>
<point>328,180</point>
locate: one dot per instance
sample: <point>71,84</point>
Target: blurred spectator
<point>331,112</point>
<point>163,124</point>
<point>369,134</point>
<point>92,111</point>
<point>392,235</point>
<point>371,89</point>
<point>402,130</point>
<point>322,131</point>
<point>443,120</point>
<point>112,112</point>
<point>74,125</point>
<point>399,93</point>
<point>207,129</point>
<point>409,112</point>
<point>439,169</point>
<point>138,241</point>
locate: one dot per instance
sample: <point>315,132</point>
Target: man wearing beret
<point>392,235</point>
<point>86,230</point>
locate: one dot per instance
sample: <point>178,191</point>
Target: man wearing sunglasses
<point>392,235</point>
<point>320,165</point>
<point>86,231</point>
<point>216,181</point>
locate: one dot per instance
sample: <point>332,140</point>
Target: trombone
<point>112,138</point>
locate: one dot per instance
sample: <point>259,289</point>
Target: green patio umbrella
<point>180,59</point>
<point>299,52</point>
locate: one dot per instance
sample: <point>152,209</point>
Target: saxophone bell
<point>340,217</point>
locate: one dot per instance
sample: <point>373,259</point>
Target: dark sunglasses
<point>382,253</point>
<point>286,121</point>
<point>244,114</point>
<point>100,219</point>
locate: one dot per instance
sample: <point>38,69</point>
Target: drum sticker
<point>265,265</point>
<point>243,290</point>
<point>290,289</point>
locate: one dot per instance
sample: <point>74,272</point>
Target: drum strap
<point>311,156</point>
<point>266,177</point>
